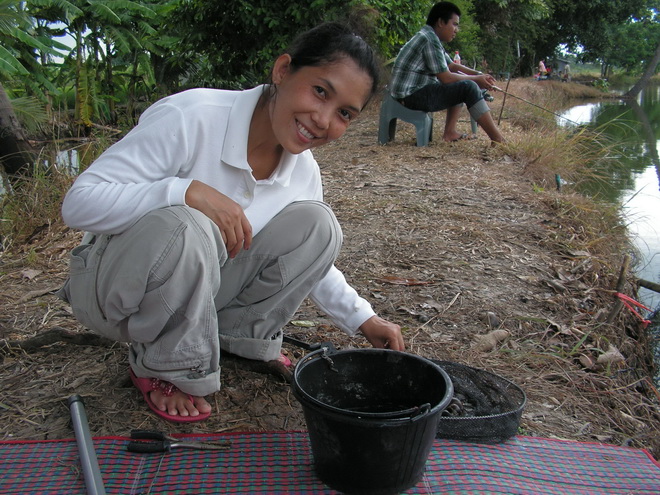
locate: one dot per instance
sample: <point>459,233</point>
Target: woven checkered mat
<point>281,463</point>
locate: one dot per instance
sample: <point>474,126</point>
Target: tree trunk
<point>648,73</point>
<point>131,93</point>
<point>109,86</point>
<point>15,150</point>
<point>649,133</point>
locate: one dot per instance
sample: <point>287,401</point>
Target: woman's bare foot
<point>169,402</point>
<point>179,404</point>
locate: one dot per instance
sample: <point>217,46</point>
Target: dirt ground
<point>451,241</point>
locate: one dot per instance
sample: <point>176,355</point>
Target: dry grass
<point>436,238</point>
<point>33,201</point>
<point>32,206</point>
<point>557,152</point>
<point>545,150</point>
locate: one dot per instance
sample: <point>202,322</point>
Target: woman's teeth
<point>305,132</point>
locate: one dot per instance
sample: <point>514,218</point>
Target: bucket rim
<point>410,414</point>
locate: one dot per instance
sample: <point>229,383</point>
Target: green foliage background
<point>122,54</point>
<point>232,43</point>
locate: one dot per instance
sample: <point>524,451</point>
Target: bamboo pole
<point>618,303</point>
<point>648,285</point>
<point>506,93</point>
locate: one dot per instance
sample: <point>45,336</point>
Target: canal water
<point>632,180</point>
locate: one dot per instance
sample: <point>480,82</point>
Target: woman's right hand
<point>226,213</point>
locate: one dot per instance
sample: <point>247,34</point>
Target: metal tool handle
<point>148,447</point>
<point>90,465</point>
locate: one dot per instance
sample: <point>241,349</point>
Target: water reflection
<point>68,160</point>
<point>75,158</point>
<point>633,178</point>
<point>581,114</point>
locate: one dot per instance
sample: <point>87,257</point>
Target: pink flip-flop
<point>285,361</point>
<point>145,385</point>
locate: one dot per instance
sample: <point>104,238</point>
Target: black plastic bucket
<point>372,416</point>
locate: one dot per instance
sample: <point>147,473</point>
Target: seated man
<point>425,77</point>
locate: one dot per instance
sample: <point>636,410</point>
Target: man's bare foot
<point>179,404</point>
<point>450,137</point>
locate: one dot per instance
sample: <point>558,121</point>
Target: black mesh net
<point>486,408</point>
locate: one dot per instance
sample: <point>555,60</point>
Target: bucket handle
<point>324,352</point>
<point>421,410</point>
<point>306,346</point>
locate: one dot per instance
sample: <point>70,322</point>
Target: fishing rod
<point>533,104</point>
<point>526,101</point>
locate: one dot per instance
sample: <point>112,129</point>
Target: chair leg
<point>386,130</point>
<point>391,130</point>
<point>383,133</point>
<point>424,130</point>
<point>422,135</point>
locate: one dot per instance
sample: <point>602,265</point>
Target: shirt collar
<point>429,29</point>
<point>234,152</point>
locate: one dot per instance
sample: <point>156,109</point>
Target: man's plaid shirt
<point>418,63</point>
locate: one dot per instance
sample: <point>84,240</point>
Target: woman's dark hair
<point>330,42</point>
<point>442,10</point>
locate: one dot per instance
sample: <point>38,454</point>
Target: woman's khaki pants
<point>166,285</point>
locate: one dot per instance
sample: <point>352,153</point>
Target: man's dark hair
<point>442,10</point>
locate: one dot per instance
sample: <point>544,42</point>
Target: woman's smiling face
<point>315,104</point>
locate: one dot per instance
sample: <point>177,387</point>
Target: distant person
<point>566,76</point>
<point>543,72</point>
<point>425,77</point>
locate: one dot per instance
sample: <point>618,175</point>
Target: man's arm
<point>463,69</point>
<point>458,72</point>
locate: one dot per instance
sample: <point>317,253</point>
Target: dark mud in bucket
<point>372,416</point>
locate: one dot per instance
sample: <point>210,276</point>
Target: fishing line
<point>534,104</point>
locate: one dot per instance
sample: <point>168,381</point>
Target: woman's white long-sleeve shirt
<point>202,134</point>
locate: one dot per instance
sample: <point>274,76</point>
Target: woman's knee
<point>198,233</point>
<point>307,228</point>
<point>313,217</point>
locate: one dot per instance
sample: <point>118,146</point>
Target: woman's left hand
<point>383,334</point>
